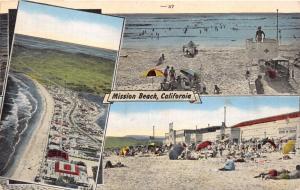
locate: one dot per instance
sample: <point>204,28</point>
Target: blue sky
<point>212,103</point>
<point>138,118</point>
<point>69,14</point>
<point>69,25</point>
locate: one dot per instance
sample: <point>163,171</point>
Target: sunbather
<point>229,166</point>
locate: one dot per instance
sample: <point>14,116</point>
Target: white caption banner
<point>151,96</point>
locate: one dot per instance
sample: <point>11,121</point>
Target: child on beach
<point>166,72</point>
<point>172,74</point>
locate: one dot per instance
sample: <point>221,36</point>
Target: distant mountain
<point>130,140</point>
<point>144,137</point>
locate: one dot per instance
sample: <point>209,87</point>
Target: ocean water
<point>40,43</point>
<point>22,108</point>
<point>223,30</point>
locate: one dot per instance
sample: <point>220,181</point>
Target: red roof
<point>53,153</point>
<point>66,168</point>
<point>268,119</point>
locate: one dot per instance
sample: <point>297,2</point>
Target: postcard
<point>211,47</point>
<point>62,63</point>
<point>223,143</point>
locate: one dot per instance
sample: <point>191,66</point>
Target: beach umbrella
<point>153,73</point>
<point>176,151</point>
<point>203,145</point>
<point>290,145</point>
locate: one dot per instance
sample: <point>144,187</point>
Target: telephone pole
<point>277,26</point>
<point>225,115</point>
<point>153,131</point>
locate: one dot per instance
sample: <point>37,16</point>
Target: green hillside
<point>79,72</point>
<point>118,142</point>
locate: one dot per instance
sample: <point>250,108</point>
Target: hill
<point>118,142</point>
<point>77,71</point>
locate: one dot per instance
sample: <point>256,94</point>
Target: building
<point>66,168</point>
<point>188,136</point>
<point>56,154</point>
<point>66,174</point>
<point>279,126</point>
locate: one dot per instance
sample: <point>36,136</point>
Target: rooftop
<point>268,119</point>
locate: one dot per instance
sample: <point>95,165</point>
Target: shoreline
<point>27,167</point>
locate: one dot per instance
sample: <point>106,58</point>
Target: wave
<point>20,105</point>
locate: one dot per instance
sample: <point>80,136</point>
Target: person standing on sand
<point>259,85</point>
<point>172,74</point>
<point>204,90</point>
<point>260,35</point>
<point>166,72</point>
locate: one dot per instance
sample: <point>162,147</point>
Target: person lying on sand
<point>229,166</point>
<point>285,157</point>
<point>240,160</point>
<point>281,174</point>
<point>217,90</point>
<point>270,174</point>
<point>110,165</point>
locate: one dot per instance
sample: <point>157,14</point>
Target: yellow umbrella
<point>290,145</point>
<point>153,73</point>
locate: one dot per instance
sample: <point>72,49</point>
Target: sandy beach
<point>162,173</point>
<point>225,67</point>
<point>27,168</point>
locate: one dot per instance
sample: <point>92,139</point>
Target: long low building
<point>279,126</point>
<point>187,135</point>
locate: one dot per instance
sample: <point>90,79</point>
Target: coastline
<point>27,167</point>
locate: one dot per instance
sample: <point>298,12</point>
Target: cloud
<point>73,31</point>
<point>140,123</point>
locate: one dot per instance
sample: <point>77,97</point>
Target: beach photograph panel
<point>189,146</point>
<point>236,52</point>
<point>3,50</point>
<point>61,66</point>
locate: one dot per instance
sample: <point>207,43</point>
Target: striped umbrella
<point>153,73</point>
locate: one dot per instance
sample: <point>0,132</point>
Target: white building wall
<point>270,129</point>
<point>211,136</point>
